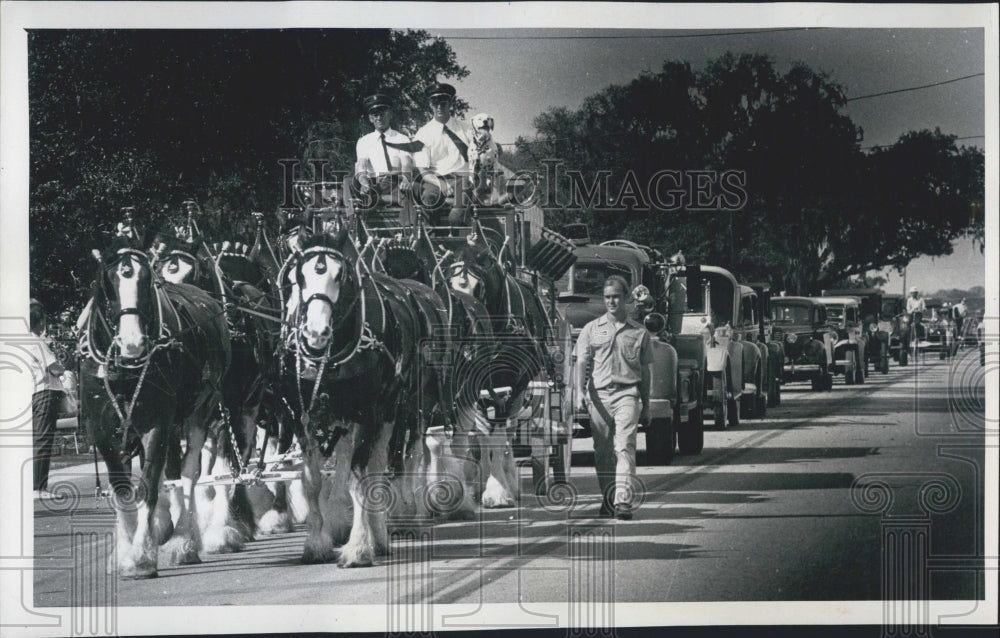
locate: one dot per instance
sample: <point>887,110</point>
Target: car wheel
<point>734,413</point>
<point>691,435</point>
<point>719,401</point>
<point>850,372</point>
<point>760,407</point>
<point>861,374</point>
<point>773,397</point>
<point>660,442</point>
<point>903,355</point>
<point>885,363</point>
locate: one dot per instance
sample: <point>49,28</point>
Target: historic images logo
<point>666,190</point>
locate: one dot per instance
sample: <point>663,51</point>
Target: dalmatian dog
<point>483,158</point>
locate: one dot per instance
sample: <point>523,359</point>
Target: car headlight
<point>791,337</point>
<point>904,320</point>
<point>873,327</point>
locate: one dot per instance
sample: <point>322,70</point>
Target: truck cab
<point>800,323</point>
<point>876,328</point>
<point>843,314</point>
<point>715,312</point>
<point>773,351</point>
<point>580,299</point>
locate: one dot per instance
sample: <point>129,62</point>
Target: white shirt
<point>372,158</point>
<point>41,362</point>
<point>440,153</point>
<point>915,305</point>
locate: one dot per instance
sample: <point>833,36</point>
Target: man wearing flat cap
<point>444,156</point>
<point>381,164</point>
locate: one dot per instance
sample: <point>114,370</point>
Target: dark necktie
<point>462,148</point>
<point>385,150</point>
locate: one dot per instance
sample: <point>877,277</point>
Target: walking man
<point>613,354</point>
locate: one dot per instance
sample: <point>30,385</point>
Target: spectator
<point>46,370</point>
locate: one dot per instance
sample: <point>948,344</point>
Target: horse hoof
<point>273,522</point>
<point>180,551</point>
<point>138,572</point>
<point>222,541</point>
<point>348,560</point>
<point>495,503</point>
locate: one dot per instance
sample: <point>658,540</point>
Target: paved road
<point>766,512</point>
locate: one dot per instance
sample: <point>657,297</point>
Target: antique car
<point>894,314</point>
<point>844,315</point>
<point>732,366</point>
<point>800,324</point>
<point>675,379</point>
<point>877,352</point>
<point>939,330</point>
<point>774,349</point>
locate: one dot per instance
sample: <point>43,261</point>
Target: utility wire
<point>636,36</point>
<point>850,99</point>
<point>914,88</point>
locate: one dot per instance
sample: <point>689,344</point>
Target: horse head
<point>475,271</point>
<point>126,295</point>
<point>327,287</point>
<point>175,260</point>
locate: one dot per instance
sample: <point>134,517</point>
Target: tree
<point>149,118</point>
<point>818,210</point>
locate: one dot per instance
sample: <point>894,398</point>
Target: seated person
<point>384,166</point>
<point>443,158</point>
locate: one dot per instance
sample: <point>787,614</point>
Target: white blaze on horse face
<point>464,281</point>
<point>320,276</point>
<point>176,269</point>
<point>130,335</point>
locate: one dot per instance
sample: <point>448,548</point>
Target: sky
<point>516,74</point>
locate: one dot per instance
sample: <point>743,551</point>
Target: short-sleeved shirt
<point>614,356</point>
<point>41,358</point>
<point>371,155</point>
<point>440,153</point>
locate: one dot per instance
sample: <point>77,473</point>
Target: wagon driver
<point>382,165</point>
<point>613,356</point>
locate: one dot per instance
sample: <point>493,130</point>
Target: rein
<point>364,339</point>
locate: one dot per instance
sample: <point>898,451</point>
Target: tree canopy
<point>149,118</point>
<point>817,208</point>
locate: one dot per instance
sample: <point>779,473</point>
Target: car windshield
<point>834,313</point>
<point>589,277</point>
<point>790,314</point>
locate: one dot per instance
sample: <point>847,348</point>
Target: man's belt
<point>617,387</point>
